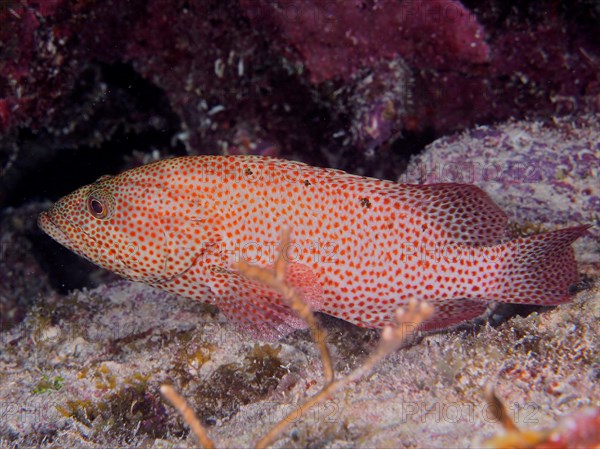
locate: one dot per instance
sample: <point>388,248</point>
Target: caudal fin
<point>538,269</point>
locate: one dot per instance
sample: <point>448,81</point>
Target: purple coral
<point>335,38</point>
<point>538,171</point>
<point>220,68</point>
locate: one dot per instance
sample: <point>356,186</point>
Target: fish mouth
<point>50,227</point>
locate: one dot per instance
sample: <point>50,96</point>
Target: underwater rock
<point>229,83</point>
<point>335,38</point>
<point>220,76</point>
<point>368,112</point>
<point>66,81</point>
<point>543,173</point>
<point>544,59</point>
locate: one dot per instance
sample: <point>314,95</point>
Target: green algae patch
<point>48,384</point>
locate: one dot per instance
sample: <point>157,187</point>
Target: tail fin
<point>538,269</point>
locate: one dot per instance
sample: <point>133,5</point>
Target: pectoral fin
<point>261,311</point>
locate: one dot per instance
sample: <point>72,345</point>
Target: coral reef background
<point>505,95</point>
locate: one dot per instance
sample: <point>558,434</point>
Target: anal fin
<point>454,311</point>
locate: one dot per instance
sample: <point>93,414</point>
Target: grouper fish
<point>360,247</point>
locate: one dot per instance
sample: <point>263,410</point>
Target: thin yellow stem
<point>391,339</point>
<point>188,415</point>
<point>275,278</point>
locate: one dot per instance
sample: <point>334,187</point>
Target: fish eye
<point>97,208</point>
<point>99,205</point>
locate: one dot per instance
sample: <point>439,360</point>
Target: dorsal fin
<point>467,215</point>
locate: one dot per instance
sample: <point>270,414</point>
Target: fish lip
<point>50,226</point>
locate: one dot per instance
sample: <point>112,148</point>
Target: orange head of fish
<point>129,224</point>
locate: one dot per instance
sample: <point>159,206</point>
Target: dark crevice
<point>129,115</point>
<point>66,270</point>
<point>129,118</point>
